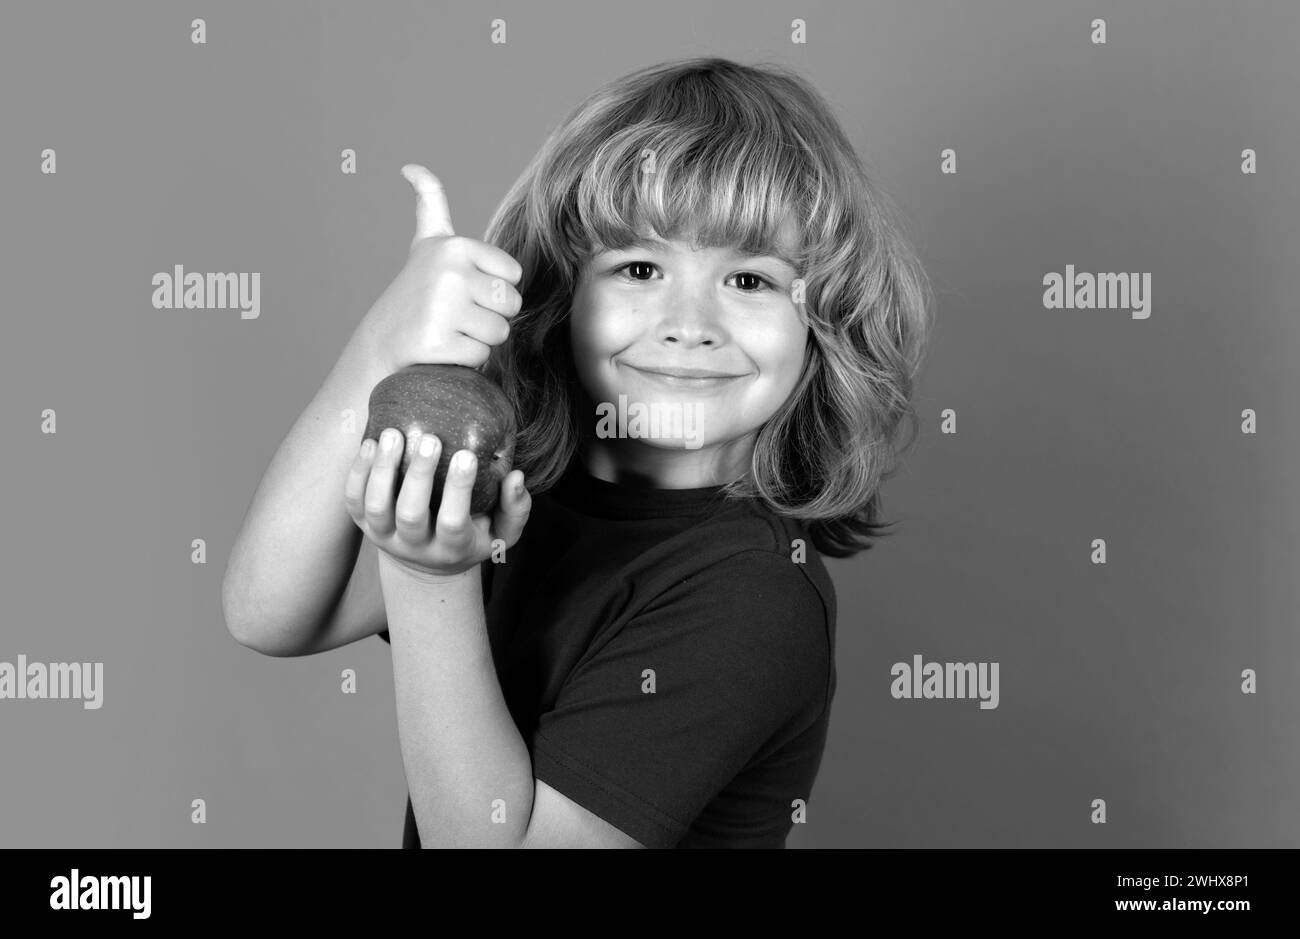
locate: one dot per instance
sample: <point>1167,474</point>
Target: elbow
<point>233,609</point>
<point>243,627</point>
<point>260,640</point>
<point>239,627</point>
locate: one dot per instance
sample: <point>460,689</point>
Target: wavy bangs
<point>734,187</point>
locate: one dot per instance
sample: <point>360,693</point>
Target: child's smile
<point>680,378</point>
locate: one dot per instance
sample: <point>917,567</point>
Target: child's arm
<point>467,767</point>
<point>298,546</point>
<point>284,591</point>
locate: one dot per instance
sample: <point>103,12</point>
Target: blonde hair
<point>737,150</point>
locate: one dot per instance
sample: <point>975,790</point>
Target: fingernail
<point>464,461</point>
<point>426,445</point>
<point>386,440</point>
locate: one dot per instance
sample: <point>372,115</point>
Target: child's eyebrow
<point>657,244</point>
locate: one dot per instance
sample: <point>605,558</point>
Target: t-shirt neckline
<point>582,492</point>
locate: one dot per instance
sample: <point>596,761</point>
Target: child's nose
<point>690,325</point>
<point>690,310</point>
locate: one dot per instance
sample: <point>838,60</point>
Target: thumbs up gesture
<point>453,299</point>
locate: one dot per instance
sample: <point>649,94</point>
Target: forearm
<point>297,545</point>
<point>467,767</point>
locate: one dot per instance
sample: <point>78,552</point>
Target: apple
<point>461,407</point>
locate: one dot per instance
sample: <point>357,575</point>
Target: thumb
<point>432,217</point>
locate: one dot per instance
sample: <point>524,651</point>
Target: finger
<point>354,490</point>
<point>495,262</point>
<point>465,350</point>
<point>486,326</point>
<point>432,216</point>
<point>453,525</point>
<point>413,498</point>
<point>495,295</point>
<point>512,509</point>
<point>379,491</point>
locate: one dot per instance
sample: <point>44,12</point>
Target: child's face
<point>664,306</point>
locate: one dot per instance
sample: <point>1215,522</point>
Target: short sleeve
<point>662,715</point>
<point>486,571</point>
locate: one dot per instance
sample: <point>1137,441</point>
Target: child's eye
<point>762,281</point>
<point>624,267</point>
<point>759,284</point>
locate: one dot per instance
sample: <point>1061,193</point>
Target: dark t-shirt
<point>613,591</point>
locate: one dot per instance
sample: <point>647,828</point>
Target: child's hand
<point>454,542</point>
<point>454,298</point>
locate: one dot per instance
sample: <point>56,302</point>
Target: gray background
<point>1119,682</point>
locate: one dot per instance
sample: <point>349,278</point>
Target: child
<point>654,663</point>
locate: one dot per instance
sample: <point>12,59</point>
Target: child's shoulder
<point>753,583</point>
<point>748,531</point>
<point>755,555</point>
